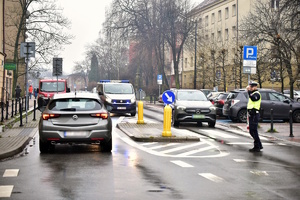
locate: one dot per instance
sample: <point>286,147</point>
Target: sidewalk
<point>14,138</point>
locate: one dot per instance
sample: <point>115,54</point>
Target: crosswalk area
<point>204,148</point>
<point>6,190</point>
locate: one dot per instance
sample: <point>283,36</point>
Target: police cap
<point>253,83</point>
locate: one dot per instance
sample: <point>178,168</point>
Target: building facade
<point>219,46</point>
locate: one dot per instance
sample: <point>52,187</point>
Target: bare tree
<point>278,29</point>
<point>43,23</point>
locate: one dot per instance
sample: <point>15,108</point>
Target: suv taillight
<point>234,102</point>
<point>47,116</point>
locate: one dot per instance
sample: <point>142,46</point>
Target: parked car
<point>296,94</point>
<point>235,106</point>
<point>75,118</point>
<point>192,106</point>
<point>206,91</point>
<point>219,101</point>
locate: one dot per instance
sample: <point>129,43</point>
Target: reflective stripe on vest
<point>254,104</point>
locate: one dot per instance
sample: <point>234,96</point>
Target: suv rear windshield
<point>52,86</point>
<point>74,104</point>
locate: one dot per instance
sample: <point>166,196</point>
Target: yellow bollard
<point>167,121</point>
<point>140,113</point>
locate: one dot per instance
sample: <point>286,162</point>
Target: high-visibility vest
<point>254,104</point>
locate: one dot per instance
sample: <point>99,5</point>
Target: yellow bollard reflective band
<point>167,121</point>
<point>140,112</point>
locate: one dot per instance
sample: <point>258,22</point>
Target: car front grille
<point>197,111</point>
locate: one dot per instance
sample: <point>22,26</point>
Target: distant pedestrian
<point>35,93</point>
<point>253,108</point>
<point>30,90</point>
<point>18,92</point>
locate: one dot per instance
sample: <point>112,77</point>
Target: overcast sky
<point>87,17</point>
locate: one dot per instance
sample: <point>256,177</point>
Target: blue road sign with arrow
<point>168,97</point>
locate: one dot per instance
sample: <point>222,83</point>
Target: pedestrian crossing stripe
<point>218,133</point>
<point>11,173</point>
<point>212,177</point>
<point>6,190</point>
<point>181,163</point>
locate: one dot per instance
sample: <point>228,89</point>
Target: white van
<point>118,96</point>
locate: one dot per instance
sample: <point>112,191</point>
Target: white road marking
<point>182,147</point>
<point>150,143</point>
<point>248,134</point>
<point>218,133</point>
<point>120,119</point>
<point>239,160</point>
<point>11,173</point>
<point>249,143</point>
<point>260,173</point>
<point>197,151</point>
<point>6,190</point>
<point>181,163</point>
<point>163,146</point>
<point>212,177</point>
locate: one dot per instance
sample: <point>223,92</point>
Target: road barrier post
<point>34,109</point>
<point>16,106</point>
<point>271,120</point>
<point>20,110</point>
<point>167,121</point>
<point>140,113</point>
<point>6,117</point>
<point>12,108</point>
<point>291,121</point>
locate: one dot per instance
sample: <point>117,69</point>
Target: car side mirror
<point>37,90</point>
<point>68,89</point>
<point>287,101</point>
<point>100,93</point>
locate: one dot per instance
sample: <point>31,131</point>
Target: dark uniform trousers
<point>253,125</point>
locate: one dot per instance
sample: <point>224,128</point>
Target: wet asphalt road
<point>207,170</point>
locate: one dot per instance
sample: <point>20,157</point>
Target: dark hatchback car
<point>219,102</point>
<point>235,106</point>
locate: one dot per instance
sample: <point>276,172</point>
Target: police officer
<point>253,108</point>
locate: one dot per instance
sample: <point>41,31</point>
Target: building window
<point>192,60</point>
<point>219,36</point>
<point>185,62</point>
<point>213,37</point>
<point>226,34</point>
<point>234,32</point>
<point>233,10</point>
<point>219,15</point>
<point>213,18</point>
<point>206,20</point>
<point>226,13</point>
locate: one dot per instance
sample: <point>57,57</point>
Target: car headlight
<point>212,108</point>
<point>181,107</point>
<point>132,99</point>
<point>108,99</point>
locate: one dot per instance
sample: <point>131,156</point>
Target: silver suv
<point>192,106</point>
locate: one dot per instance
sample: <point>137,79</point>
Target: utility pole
<point>195,64</point>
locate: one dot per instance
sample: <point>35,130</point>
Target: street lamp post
<point>195,66</point>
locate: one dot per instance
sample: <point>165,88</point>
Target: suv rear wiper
<point>68,109</point>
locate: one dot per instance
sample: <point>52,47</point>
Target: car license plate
<point>198,116</point>
<point>121,108</point>
<point>75,133</point>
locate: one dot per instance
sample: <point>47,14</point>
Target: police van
<point>118,96</point>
